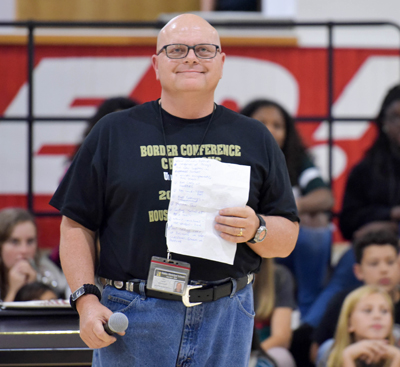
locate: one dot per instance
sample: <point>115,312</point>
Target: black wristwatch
<point>261,231</point>
<point>85,289</point>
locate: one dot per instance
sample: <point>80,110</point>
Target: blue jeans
<point>309,263</point>
<point>342,278</point>
<point>166,333</point>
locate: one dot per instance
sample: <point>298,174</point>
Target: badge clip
<point>167,275</point>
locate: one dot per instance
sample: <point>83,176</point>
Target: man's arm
<point>77,254</point>
<point>280,239</point>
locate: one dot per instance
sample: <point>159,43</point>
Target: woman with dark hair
<point>281,125</point>
<point>310,259</point>
<point>17,251</point>
<point>372,197</point>
<point>20,263</point>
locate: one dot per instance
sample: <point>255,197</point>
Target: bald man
<point>118,187</point>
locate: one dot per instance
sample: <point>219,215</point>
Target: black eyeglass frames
<point>180,51</point>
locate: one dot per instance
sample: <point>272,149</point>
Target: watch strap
<point>262,221</point>
<point>262,224</point>
<point>87,289</point>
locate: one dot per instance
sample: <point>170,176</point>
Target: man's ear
<point>357,270</point>
<point>223,56</point>
<point>154,62</point>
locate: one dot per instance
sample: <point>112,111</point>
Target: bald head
<point>188,82</point>
<point>185,25</point>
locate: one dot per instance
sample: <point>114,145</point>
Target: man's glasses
<point>180,51</point>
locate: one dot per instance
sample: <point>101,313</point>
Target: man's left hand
<point>237,224</point>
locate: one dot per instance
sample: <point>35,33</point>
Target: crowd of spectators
<point>369,219</point>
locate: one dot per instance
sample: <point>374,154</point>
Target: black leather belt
<point>194,295</point>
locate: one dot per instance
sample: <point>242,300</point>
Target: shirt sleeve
<point>82,200</point>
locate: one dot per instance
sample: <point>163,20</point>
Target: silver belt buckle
<point>186,296</point>
<point>118,284</point>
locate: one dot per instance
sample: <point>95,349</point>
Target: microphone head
<point>118,322</point>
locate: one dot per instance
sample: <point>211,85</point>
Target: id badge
<point>169,276</point>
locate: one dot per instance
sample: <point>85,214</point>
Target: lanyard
<point>165,137</point>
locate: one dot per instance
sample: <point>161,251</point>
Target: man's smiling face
<point>190,73</point>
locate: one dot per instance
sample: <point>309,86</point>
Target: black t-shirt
<point>118,184</point>
<point>327,327</point>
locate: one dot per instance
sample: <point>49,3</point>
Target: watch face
<point>79,292</point>
<point>261,233</point>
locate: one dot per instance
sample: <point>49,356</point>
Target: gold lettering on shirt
<point>191,150</point>
<point>160,215</point>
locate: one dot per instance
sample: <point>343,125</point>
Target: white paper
<point>200,188</point>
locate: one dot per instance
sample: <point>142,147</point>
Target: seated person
<point>377,263</point>
<point>364,334</point>
<point>372,195</point>
<point>20,262</point>
<point>35,291</point>
<point>310,260</point>
<point>274,302</point>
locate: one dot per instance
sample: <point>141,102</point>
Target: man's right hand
<point>92,317</point>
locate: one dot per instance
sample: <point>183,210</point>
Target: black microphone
<point>117,323</point>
